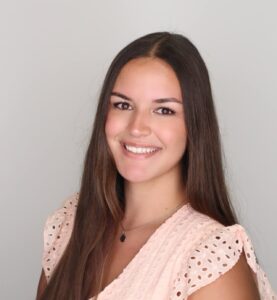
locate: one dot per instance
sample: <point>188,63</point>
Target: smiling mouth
<point>140,150</point>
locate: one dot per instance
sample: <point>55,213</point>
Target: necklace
<point>123,236</point>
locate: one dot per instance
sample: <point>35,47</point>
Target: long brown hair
<point>101,197</point>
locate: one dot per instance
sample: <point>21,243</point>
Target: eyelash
<point>171,112</point>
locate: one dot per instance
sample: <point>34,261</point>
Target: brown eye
<point>165,111</point>
<point>121,105</point>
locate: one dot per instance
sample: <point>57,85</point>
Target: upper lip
<point>139,145</point>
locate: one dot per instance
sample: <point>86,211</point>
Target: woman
<point>153,218</point>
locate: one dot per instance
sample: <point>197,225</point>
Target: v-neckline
<point>147,244</point>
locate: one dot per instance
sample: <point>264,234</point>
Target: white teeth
<point>140,149</point>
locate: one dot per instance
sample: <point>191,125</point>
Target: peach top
<point>188,251</point>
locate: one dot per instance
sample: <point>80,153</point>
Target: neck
<point>151,201</point>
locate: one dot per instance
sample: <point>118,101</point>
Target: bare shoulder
<point>236,284</point>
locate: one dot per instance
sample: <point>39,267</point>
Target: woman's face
<point>145,126</point>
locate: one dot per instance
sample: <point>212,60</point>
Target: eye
<point>122,105</point>
<point>166,111</point>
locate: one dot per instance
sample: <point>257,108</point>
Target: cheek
<point>178,143</point>
<point>175,135</point>
<point>113,126</point>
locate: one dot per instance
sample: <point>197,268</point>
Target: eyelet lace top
<point>188,251</point>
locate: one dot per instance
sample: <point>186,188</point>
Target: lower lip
<point>139,155</point>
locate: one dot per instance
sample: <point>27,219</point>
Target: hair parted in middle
<point>101,199</point>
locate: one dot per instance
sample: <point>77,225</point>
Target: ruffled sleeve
<point>219,253</point>
<point>57,232</point>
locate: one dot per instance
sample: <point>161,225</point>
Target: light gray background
<point>53,57</point>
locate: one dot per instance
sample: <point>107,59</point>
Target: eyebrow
<point>160,100</point>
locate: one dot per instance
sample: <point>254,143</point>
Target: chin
<point>135,177</point>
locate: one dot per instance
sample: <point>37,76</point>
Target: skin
<point>153,185</point>
<point>236,284</point>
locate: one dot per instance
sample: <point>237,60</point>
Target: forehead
<point>148,76</point>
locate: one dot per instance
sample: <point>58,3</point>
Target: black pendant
<point>122,237</point>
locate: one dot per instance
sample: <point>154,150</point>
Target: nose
<point>139,124</point>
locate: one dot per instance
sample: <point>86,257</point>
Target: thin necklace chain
<point>123,232</point>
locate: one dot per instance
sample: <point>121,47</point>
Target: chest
<point>122,253</point>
